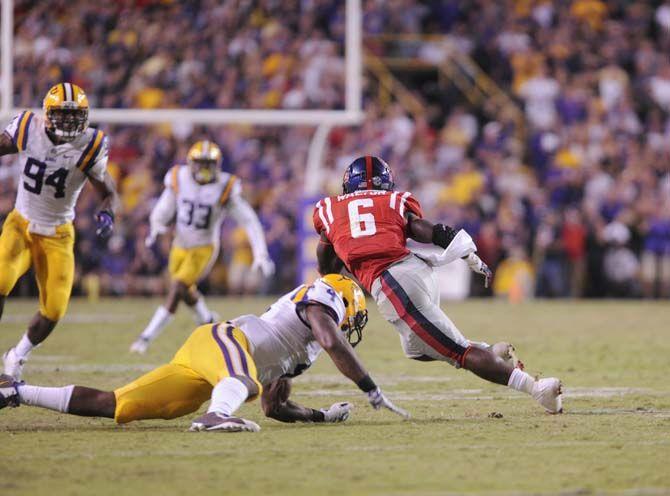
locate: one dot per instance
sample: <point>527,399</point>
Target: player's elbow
<point>276,411</point>
<point>270,410</point>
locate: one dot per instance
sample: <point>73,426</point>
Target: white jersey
<point>281,341</point>
<point>53,175</point>
<point>200,208</point>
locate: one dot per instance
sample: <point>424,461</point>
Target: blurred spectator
<point>620,265</point>
<point>593,163</point>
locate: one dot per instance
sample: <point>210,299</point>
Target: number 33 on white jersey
<point>200,208</point>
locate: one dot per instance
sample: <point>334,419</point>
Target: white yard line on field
<point>110,368</point>
<point>77,318</point>
<point>479,394</point>
<point>634,491</point>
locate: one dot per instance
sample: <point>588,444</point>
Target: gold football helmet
<point>204,159</point>
<point>354,302</point>
<point>66,111</point>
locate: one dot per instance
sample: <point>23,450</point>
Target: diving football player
<point>233,362</point>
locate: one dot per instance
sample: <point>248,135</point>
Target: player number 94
<point>362,224</point>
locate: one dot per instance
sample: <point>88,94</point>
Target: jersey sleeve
<point>232,190</point>
<point>322,218</point>
<point>319,226</point>
<point>19,128</point>
<point>171,179</point>
<point>93,160</point>
<point>414,206</point>
<point>99,162</point>
<point>322,294</point>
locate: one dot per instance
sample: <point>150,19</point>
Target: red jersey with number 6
<point>367,229</point>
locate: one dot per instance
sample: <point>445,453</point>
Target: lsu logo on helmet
<point>354,302</point>
<point>204,159</point>
<point>66,111</point>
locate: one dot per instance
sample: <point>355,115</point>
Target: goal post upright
<point>6,58</point>
<point>322,120</point>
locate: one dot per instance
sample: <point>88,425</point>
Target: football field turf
<point>466,436</point>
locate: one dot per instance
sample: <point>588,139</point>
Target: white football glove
<point>265,265</point>
<point>154,232</point>
<point>338,412</point>
<point>477,265</point>
<point>378,400</point>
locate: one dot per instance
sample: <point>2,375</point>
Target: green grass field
<point>614,436</point>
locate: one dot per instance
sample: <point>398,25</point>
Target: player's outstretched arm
<point>330,338</point>
<point>245,216</point>
<point>329,262</point>
<point>424,231</point>
<point>162,214</point>
<point>276,405</point>
<point>7,146</point>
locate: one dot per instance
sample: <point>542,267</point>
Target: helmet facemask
<point>204,170</point>
<point>353,327</point>
<point>67,122</point>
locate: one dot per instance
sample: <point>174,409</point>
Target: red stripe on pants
<point>416,327</point>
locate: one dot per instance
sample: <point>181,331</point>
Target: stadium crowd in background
<point>577,203</point>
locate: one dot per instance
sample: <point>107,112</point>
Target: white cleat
<point>547,392</point>
<point>217,422</point>
<point>140,346</point>
<point>13,364</point>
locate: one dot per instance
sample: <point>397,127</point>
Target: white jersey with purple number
<point>52,176</point>
<point>281,341</point>
<point>200,208</point>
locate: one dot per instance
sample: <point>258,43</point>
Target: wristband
<point>108,212</point>
<point>443,235</point>
<point>318,416</point>
<point>366,384</point>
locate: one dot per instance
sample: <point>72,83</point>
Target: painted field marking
<point>78,318</point>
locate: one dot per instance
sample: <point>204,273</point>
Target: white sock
<point>227,396</point>
<point>521,381</point>
<point>24,347</point>
<point>53,398</point>
<point>158,322</point>
<point>202,313</point>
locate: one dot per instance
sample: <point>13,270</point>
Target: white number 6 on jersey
<point>361,224</point>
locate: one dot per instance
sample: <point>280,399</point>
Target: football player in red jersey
<point>365,230</point>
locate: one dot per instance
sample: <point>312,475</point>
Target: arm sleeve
<point>18,128</point>
<point>412,205</point>
<point>99,166</point>
<point>322,294</point>
<point>316,219</point>
<point>171,180</point>
<point>12,128</point>
<point>245,216</point>
<point>164,210</point>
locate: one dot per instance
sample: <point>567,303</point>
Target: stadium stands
<point>578,206</point>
